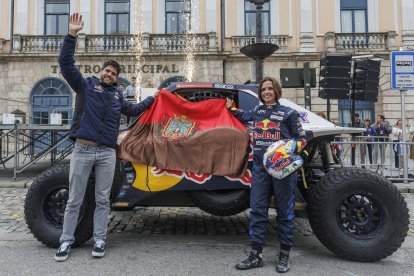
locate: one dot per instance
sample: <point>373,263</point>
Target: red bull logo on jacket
<point>267,135</point>
<point>270,130</point>
<point>267,125</point>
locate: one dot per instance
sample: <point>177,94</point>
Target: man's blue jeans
<point>84,157</point>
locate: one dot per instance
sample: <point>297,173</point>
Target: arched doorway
<point>49,96</point>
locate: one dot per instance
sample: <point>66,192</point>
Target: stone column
<point>81,47</point>
<point>2,41</point>
<point>17,43</point>
<point>145,42</point>
<point>212,41</point>
<point>330,42</point>
<point>391,41</point>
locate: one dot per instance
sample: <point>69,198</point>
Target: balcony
<point>238,42</point>
<point>360,42</point>
<point>147,43</point>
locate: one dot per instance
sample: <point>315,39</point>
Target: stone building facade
<point>154,36</point>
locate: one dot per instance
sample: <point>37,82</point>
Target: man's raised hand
<point>75,24</point>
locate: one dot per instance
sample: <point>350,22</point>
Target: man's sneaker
<point>98,249</point>
<point>253,261</point>
<point>282,265</point>
<point>63,252</point>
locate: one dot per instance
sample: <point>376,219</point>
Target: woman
<point>397,138</point>
<point>285,125</point>
<point>410,126</point>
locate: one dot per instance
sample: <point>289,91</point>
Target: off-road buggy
<point>357,214</point>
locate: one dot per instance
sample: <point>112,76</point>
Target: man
<point>131,95</point>
<point>383,129</point>
<point>356,136</point>
<point>98,108</point>
<point>369,132</point>
<point>357,121</point>
<point>131,90</point>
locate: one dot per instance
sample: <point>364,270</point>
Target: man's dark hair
<point>382,117</point>
<point>114,64</point>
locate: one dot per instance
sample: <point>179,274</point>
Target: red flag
<point>198,137</point>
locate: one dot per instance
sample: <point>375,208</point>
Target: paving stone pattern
<point>160,220</point>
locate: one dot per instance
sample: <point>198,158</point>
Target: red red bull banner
<point>193,137</point>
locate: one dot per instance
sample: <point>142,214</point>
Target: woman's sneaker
<point>254,260</point>
<point>63,252</point>
<point>98,249</point>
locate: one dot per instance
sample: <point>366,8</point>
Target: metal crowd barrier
<point>377,154</point>
<point>27,144</point>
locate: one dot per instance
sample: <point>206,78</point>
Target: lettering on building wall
<point>130,69</point>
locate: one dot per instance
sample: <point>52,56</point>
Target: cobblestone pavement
<point>160,220</point>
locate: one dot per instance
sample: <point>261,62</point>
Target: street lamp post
<point>259,50</point>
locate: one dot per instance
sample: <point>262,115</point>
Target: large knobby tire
<point>45,206</point>
<point>221,202</point>
<point>358,215</point>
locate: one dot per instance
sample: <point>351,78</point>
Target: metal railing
<point>360,42</point>
<point>238,42</point>
<point>27,144</point>
<point>378,154</point>
<point>157,43</point>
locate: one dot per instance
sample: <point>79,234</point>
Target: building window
<point>117,16</point>
<point>366,110</point>
<point>51,95</point>
<point>250,18</point>
<point>354,16</point>
<point>177,15</point>
<point>56,17</point>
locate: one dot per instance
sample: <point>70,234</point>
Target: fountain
<point>190,42</point>
<point>138,49</point>
<point>259,50</point>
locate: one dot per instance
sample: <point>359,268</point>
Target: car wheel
<point>45,205</point>
<point>221,202</point>
<point>358,215</point>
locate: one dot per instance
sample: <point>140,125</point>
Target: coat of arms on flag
<point>178,128</point>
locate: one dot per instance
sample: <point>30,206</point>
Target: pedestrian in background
<point>382,131</point>
<point>121,87</point>
<point>321,114</point>
<point>410,126</point>
<point>396,137</point>
<point>131,91</point>
<point>98,108</point>
<point>358,136</point>
<point>336,148</point>
<point>369,133</point>
<point>131,94</point>
<point>263,184</point>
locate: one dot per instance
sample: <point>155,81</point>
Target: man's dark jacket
<point>98,106</point>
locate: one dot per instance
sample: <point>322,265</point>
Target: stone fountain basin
<point>259,50</point>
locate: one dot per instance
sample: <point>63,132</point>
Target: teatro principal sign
<point>145,68</point>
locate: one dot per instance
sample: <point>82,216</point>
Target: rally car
<point>357,214</point>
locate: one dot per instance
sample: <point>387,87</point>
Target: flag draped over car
<point>199,137</point>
